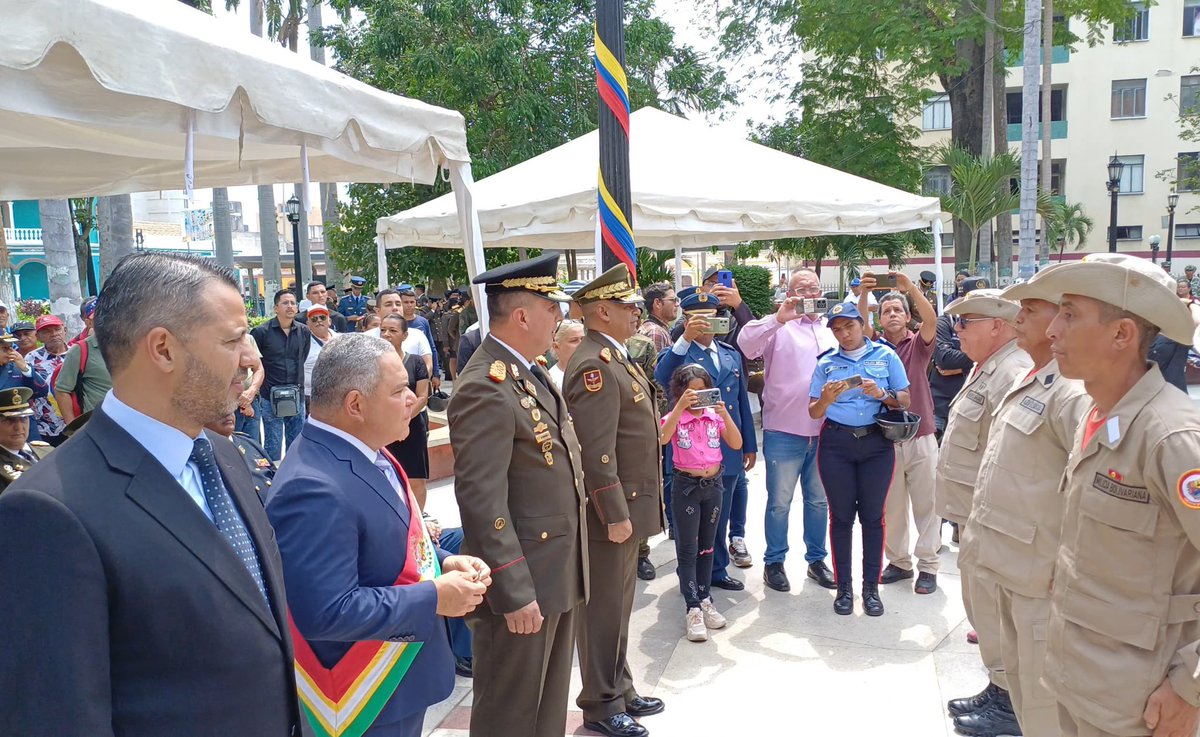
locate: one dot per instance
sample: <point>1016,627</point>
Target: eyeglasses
<point>318,318</point>
<point>961,322</point>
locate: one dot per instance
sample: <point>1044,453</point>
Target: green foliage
<point>754,283</point>
<point>520,72</point>
<point>652,266</point>
<point>1184,176</point>
<point>1066,225</point>
<point>29,310</point>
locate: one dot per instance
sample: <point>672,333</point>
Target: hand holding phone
<point>725,278</point>
<point>707,398</point>
<point>853,382</point>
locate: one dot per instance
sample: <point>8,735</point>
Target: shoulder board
<point>39,444</point>
<point>826,352</point>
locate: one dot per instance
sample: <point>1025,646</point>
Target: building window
<point>1128,98</point>
<point>937,181</point>
<point>1137,28</point>
<point>936,116</point>
<point>1129,232</point>
<point>1191,18</point>
<point>1187,230</point>
<point>1058,108</point>
<point>1189,93</point>
<point>1187,174</point>
<point>1133,175</point>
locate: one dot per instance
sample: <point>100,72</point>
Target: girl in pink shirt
<point>695,435</point>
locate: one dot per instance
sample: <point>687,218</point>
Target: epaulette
<point>826,352</point>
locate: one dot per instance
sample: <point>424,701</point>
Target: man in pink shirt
<point>790,341</point>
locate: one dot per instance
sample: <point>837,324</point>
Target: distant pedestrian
<point>284,344</point>
<point>45,361</point>
<point>413,451</point>
<point>354,305</point>
<point>83,379</point>
<point>26,337</point>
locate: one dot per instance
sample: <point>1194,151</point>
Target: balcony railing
<point>1058,130</point>
<point>23,236</point>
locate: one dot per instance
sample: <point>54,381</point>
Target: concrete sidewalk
<point>785,664</point>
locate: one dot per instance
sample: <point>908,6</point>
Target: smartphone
<point>854,381</point>
<point>812,306</point>
<point>717,326</point>
<point>725,278</point>
<point>707,398</point>
<point>885,281</point>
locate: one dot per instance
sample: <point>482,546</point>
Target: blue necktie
<point>384,464</point>
<point>225,516</point>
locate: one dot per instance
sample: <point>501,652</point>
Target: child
<point>695,435</point>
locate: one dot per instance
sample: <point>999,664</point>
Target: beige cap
<point>1133,284</point>
<point>1031,289</point>
<point>987,302</point>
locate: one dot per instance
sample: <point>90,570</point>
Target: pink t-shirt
<point>697,442</point>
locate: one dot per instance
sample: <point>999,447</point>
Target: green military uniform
<point>615,406</point>
<point>519,484</point>
<point>262,468</point>
<point>14,402</point>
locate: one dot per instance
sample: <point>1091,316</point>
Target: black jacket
<point>948,356</point>
<point>283,354</point>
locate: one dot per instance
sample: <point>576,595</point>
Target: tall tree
<point>1047,93</point>
<point>222,227</point>
<point>1031,117</point>
<point>62,267</point>
<point>520,73</point>
<point>83,210</point>
<point>7,296</point>
<point>268,225</point>
<point>115,215</point>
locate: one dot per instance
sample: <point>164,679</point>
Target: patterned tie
<point>225,516</point>
<point>384,464</point>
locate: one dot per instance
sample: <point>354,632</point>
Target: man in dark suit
<point>615,408</point>
<point>143,589</point>
<point>369,588</point>
<point>522,508</point>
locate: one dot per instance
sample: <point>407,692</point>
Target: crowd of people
<point>309,592</point>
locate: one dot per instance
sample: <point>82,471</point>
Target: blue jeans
<point>720,546</point>
<point>791,458</point>
<point>668,467</point>
<point>248,425</point>
<point>737,509</point>
<point>274,428</point>
<point>456,627</point>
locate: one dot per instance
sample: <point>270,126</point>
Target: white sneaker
<point>739,554</point>
<point>713,619</point>
<point>696,630</point>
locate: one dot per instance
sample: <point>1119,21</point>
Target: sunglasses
<point>962,321</point>
<point>318,318</point>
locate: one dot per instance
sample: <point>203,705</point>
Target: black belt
<point>860,431</point>
<point>701,480</point>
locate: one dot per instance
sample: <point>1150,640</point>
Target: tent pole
<point>463,184</point>
<point>381,263</point>
<point>678,268</point>
<point>937,261</point>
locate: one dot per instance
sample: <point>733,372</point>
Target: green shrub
<point>754,282</point>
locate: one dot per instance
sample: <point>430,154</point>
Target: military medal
<point>529,387</point>
<point>636,389</point>
<point>497,372</point>
<point>527,402</point>
<point>515,371</point>
<point>540,427</point>
<point>536,414</point>
<point>549,458</point>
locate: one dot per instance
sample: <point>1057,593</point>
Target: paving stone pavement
<point>785,664</point>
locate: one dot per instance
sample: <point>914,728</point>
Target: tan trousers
<point>1069,726</point>
<point>912,485</point>
<point>979,599</point>
<point>1023,649</point>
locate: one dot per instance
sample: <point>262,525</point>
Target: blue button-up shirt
<point>353,305</point>
<point>879,364</point>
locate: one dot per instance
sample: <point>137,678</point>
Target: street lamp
<point>292,208</point>
<point>1154,241</point>
<point>139,239</point>
<point>1172,201</point>
<point>1115,167</point>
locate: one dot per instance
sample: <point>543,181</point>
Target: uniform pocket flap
<point>960,474</point>
<point>1183,608</point>
<point>970,405</point>
<point>1119,512</point>
<point>1132,628</point>
<point>1026,419</point>
<point>542,528</point>
<point>1007,523</point>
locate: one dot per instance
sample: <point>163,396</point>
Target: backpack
<point>77,395</point>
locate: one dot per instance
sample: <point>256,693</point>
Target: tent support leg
<point>937,261</point>
<point>678,268</point>
<point>468,220</point>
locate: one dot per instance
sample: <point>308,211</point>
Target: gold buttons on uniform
<point>633,495</point>
<point>545,535</point>
<point>603,458</point>
<point>499,523</point>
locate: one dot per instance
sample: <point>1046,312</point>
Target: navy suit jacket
<point>342,532</point>
<point>730,379</point>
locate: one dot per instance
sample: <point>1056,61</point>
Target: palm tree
<point>62,267</point>
<point>115,217</point>
<point>1066,225</point>
<point>979,190</point>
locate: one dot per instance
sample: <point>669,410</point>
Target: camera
<point>707,398</point>
<point>812,306</point>
<point>717,326</point>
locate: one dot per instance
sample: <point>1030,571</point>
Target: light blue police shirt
<point>880,364</point>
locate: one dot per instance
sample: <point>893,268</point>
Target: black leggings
<point>696,507</point>
<point>856,473</point>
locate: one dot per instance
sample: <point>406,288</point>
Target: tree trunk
<point>985,130</point>
<point>329,223</point>
<point>1030,118</point>
<point>1047,160</point>
<point>62,268</point>
<point>1004,221</point>
<point>82,225</point>
<point>222,227</point>
<point>115,217</point>
<point>965,92</point>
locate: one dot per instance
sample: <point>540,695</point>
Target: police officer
<point>615,406</point>
<point>929,287</point>
<point>1123,640</point>
<point>354,305</point>
<point>520,495</point>
<point>17,455</point>
<point>262,468</point>
<point>851,384</point>
<point>1011,538</point>
<point>982,322</point>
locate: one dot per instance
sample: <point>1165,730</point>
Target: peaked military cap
<point>536,275</point>
<point>972,283</point>
<point>14,402</point>
<point>699,301</point>
<point>847,310</point>
<point>614,284</point>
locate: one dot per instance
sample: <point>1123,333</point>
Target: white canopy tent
<point>693,187</point>
<point>108,97</point>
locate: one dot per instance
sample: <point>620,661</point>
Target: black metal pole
<point>615,213</point>
<point>296,258</point>
<point>1112,219</point>
<point>1170,231</point>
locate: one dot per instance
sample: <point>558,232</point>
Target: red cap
<point>318,310</point>
<point>47,321</point>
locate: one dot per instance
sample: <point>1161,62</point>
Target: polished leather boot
<point>872,604</point>
<point>994,720</point>
<point>969,704</point>
<point>844,603</point>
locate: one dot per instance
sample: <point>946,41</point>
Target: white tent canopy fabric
<point>98,96</point>
<point>693,187</point>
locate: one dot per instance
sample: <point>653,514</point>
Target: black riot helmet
<point>898,425</point>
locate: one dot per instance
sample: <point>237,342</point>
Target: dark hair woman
<point>413,451</point>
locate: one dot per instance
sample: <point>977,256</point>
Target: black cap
<point>538,276</point>
<point>971,283</point>
<point>928,276</point>
<point>19,326</point>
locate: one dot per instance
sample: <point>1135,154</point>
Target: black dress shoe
<point>820,573</point>
<point>894,573</point>
<point>872,604</point>
<point>644,706</point>
<point>926,583</point>
<point>844,603</point>
<point>729,584</point>
<point>618,725</point>
<point>646,570</point>
<point>464,667</point>
<point>775,578</point>
<point>969,704</point>
<point>994,720</point>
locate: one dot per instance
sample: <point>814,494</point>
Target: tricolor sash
<point>343,701</point>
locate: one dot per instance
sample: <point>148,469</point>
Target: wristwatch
<point>890,394</point>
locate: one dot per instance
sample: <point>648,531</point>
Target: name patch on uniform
<point>1109,486</point>
<point>593,381</point>
<point>1189,488</point>
<point>974,396</point>
<point>1033,405</point>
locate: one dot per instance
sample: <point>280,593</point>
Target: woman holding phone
<point>850,385</point>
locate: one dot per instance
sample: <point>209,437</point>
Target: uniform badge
<point>529,387</point>
<point>527,402</point>
<point>605,354</point>
<point>593,381</point>
<point>702,297</point>
<point>1115,475</point>
<point>547,446</point>
<point>497,372</point>
<point>544,437</point>
<point>536,414</point>
<point>837,309</point>
<point>540,427</point>
<point>549,458</point>
<point>516,372</point>
<point>1189,488</point>
<point>541,361</point>
<point>262,463</point>
<point>499,524</point>
<point>636,389</point>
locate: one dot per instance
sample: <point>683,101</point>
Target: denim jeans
<point>697,511</point>
<point>248,425</point>
<point>729,480</point>
<point>737,510</point>
<point>274,428</point>
<point>456,627</point>
<point>791,458</point>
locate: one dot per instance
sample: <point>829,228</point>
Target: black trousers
<point>856,473</point>
<point>696,509</point>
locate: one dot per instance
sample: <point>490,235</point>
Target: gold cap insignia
<point>837,309</point>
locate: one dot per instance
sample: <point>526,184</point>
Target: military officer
<point>17,455</point>
<point>520,494</point>
<point>616,406</point>
<point>1012,535</point>
<point>981,321</point>
<point>262,468</point>
<point>354,305</point>
<point>1123,640</point>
